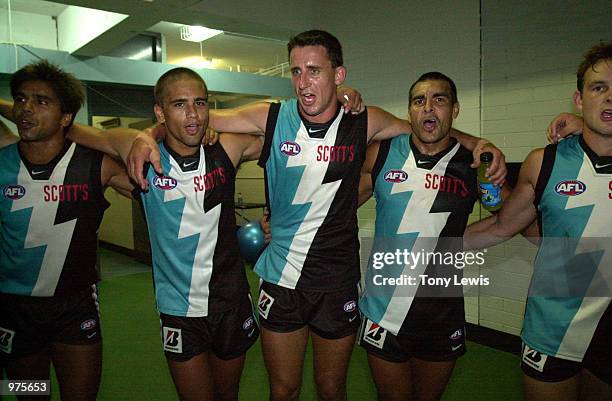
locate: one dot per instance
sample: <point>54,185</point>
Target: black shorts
<point>28,325</point>
<point>227,334</point>
<point>446,345</point>
<point>330,315</point>
<point>597,359</point>
<point>551,369</point>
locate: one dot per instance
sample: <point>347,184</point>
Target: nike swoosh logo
<point>597,165</point>
<point>251,333</point>
<point>38,172</point>
<point>185,165</point>
<point>314,131</point>
<point>92,334</point>
<point>456,347</point>
<point>423,161</point>
<point>352,318</point>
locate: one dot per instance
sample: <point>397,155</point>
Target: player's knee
<point>330,389</point>
<point>383,394</point>
<point>225,394</point>
<point>81,388</point>
<point>284,392</point>
<point>84,394</point>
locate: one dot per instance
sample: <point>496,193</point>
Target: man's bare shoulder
<point>530,170</point>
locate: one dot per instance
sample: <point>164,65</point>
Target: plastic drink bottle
<point>490,194</point>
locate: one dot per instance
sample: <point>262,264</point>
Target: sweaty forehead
<point>40,88</point>
<point>184,89</point>
<point>438,87</point>
<point>601,70</point>
<point>309,55</point>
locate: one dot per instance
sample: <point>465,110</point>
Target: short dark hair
<point>67,88</point>
<point>596,53</point>
<point>319,38</point>
<point>435,76</point>
<point>174,75</point>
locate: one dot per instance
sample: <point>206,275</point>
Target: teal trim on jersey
<point>282,183</point>
<point>547,317</point>
<point>568,162</point>
<point>15,260</point>
<point>388,220</point>
<point>172,257</point>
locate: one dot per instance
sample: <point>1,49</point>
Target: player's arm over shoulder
<point>113,174</point>
<point>116,142</point>
<point>365,180</point>
<point>249,119</point>
<point>240,147</point>
<point>384,125</point>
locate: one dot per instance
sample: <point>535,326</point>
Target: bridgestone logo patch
<point>264,304</point>
<point>374,334</point>
<point>173,340</point>
<point>6,340</point>
<point>533,358</point>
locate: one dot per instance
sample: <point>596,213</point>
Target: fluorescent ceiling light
<point>194,33</point>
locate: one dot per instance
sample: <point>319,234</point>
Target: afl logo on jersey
<point>350,306</point>
<point>290,148</point>
<point>456,335</point>
<point>248,323</point>
<point>396,176</point>
<point>570,188</point>
<point>164,183</point>
<point>88,324</point>
<point>13,192</point>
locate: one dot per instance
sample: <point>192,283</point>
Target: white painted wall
<point>28,29</point>
<point>77,26</point>
<point>531,51</point>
